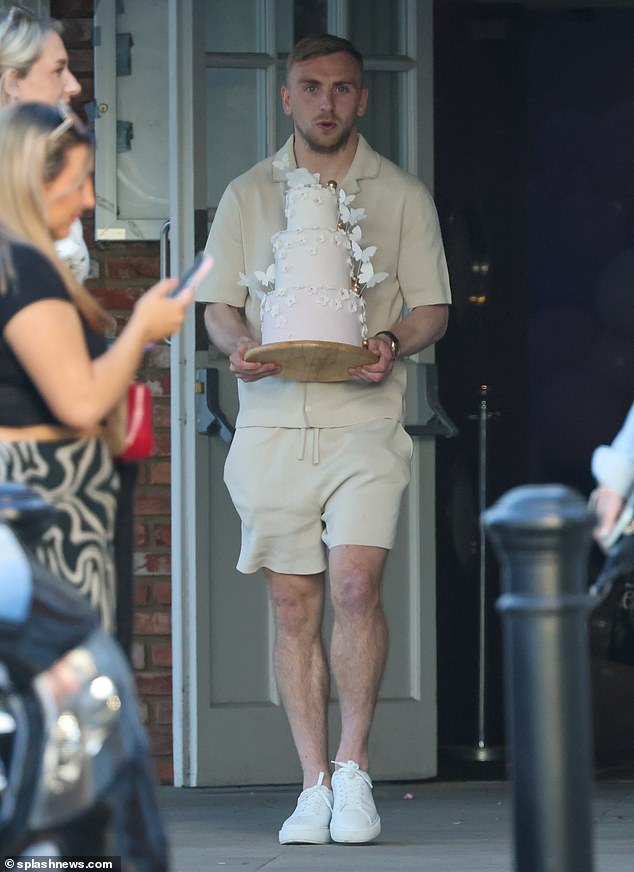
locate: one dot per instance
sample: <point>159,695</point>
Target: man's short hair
<point>320,44</point>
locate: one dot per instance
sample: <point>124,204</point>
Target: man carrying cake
<point>317,470</point>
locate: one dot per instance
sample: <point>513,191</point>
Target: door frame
<point>181,115</point>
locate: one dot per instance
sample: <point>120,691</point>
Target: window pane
<point>284,33</point>
<point>143,170</point>
<point>232,118</point>
<point>381,125</point>
<point>231,25</point>
<point>374,26</point>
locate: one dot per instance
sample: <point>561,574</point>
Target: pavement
<point>426,826</point>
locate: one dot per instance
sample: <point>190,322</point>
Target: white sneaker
<point>354,815</point>
<point>309,823</point>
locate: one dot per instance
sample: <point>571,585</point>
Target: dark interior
<point>534,183</point>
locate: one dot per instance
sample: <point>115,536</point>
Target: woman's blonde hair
<point>35,140</point>
<point>22,39</point>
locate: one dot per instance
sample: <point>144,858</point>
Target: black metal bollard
<point>542,536</point>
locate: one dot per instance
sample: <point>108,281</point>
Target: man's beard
<point>318,148</point>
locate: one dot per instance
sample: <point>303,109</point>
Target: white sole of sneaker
<point>306,837</point>
<point>355,837</point>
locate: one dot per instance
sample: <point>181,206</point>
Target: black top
<point>21,405</point>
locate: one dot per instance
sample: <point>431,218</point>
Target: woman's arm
<point>228,332</point>
<point>47,338</point>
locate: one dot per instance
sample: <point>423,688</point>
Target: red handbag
<point>139,435</point>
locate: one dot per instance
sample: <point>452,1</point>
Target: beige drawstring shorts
<point>301,492</point>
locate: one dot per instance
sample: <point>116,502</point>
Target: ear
<point>286,100</point>
<point>11,84</point>
<point>363,103</point>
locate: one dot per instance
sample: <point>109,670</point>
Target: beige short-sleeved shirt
<point>400,220</point>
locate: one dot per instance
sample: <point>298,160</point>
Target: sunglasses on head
<point>70,119</point>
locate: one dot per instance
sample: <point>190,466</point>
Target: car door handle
<point>210,419</point>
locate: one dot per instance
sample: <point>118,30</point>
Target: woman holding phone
<point>59,382</point>
<point>34,66</point>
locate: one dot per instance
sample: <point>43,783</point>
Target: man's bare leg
<point>359,652</point>
<point>300,667</point>
<point>359,643</point>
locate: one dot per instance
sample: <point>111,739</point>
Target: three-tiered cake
<point>313,290</point>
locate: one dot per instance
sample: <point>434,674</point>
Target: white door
<point>229,725</point>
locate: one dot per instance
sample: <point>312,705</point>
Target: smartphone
<point>203,262</point>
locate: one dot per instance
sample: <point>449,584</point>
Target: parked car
<point>76,776</point>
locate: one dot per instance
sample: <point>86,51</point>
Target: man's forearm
<point>423,326</point>
<point>226,327</point>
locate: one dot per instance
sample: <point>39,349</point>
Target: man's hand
<point>423,326</point>
<point>375,373</point>
<point>247,370</point>
<point>607,505</point>
<point>229,333</point>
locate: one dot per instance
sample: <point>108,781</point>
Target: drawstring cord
<point>315,447</point>
<point>302,444</point>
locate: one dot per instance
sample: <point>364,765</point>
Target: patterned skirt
<point>78,478</point>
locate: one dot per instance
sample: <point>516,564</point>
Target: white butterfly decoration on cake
<point>368,278</point>
<point>363,275</point>
<point>251,282</point>
<point>266,278</point>
<point>364,254</point>
<point>350,217</point>
<point>363,269</point>
<point>345,199</point>
<point>298,178</point>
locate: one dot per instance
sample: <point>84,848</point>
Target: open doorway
<point>534,145</point>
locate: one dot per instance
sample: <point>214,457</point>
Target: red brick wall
<point>124,270</point>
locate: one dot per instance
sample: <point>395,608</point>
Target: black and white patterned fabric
<point>77,477</point>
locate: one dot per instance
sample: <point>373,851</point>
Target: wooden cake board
<point>312,360</point>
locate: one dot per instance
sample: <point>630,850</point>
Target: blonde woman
<point>34,66</point>
<point>58,381</point>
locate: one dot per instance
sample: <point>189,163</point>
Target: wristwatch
<point>395,345</point>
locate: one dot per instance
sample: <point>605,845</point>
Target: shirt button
<point>308,408</point>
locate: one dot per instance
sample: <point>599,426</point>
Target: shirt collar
<point>365,164</point>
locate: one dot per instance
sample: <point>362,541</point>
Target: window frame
<point>415,153</point>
